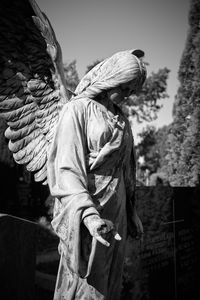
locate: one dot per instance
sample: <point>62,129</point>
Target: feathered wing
<point>32,84</point>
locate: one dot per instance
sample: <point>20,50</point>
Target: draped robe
<point>91,170</point>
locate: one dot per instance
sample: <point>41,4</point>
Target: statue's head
<point>123,71</point>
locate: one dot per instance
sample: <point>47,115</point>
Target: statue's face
<point>118,94</point>
<point>128,88</point>
<point>115,95</point>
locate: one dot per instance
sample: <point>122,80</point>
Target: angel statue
<point>80,145</point>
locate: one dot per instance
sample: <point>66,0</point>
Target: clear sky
<point>95,29</point>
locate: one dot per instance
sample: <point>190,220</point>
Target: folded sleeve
<point>67,175</point>
<point>67,179</point>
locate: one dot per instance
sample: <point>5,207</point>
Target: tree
<point>146,149</point>
<point>152,149</point>
<point>184,139</point>
<point>71,75</point>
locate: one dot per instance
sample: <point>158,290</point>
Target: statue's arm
<point>67,174</point>
<point>67,177</point>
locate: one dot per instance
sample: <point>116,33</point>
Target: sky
<point>88,30</point>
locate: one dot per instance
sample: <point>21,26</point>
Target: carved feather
<point>32,85</point>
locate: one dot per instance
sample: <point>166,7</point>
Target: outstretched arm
<point>67,175</point>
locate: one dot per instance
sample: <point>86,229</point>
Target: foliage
<point>184,140</point>
<point>153,149</point>
<point>71,75</point>
<point>146,148</point>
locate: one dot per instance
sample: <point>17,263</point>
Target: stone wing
<point>32,85</point>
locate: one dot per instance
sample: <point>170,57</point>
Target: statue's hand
<point>98,228</point>
<point>136,228</point>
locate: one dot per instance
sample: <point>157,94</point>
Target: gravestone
<point>166,265</point>
<point>17,258</point>
<point>187,237</point>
